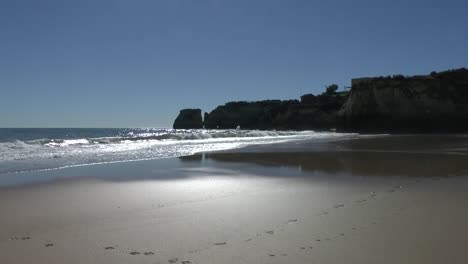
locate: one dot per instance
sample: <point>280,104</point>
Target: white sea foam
<point>45,153</point>
<point>68,142</point>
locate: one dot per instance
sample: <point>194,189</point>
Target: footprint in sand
<point>186,262</point>
<point>109,248</point>
<point>338,206</point>
<point>174,260</point>
<point>271,232</point>
<point>19,238</point>
<point>248,240</point>
<point>134,253</point>
<point>291,221</point>
<point>284,254</point>
<point>271,255</point>
<point>303,248</point>
<point>149,253</point>
<point>318,240</point>
<point>220,243</point>
<point>361,201</point>
<point>49,245</point>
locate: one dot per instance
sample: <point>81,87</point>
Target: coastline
<point>430,103</point>
<point>325,202</point>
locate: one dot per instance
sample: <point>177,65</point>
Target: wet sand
<point>399,199</point>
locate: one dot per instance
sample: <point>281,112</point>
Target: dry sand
<point>348,203</point>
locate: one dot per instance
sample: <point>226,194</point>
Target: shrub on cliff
<point>331,89</point>
<point>398,77</point>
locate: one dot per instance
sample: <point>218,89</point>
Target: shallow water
<point>430,156</point>
<point>41,149</point>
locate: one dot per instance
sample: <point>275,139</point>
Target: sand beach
<point>386,199</point>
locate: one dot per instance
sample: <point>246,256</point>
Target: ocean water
<point>44,149</point>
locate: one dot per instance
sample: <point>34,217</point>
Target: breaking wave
<point>48,149</point>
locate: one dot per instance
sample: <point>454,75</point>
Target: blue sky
<point>137,63</point>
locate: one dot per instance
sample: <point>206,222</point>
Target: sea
<point>36,149</point>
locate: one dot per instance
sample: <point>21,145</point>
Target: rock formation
<point>430,103</point>
<point>313,112</point>
<point>188,119</point>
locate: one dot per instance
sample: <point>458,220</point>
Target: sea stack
<point>189,119</point>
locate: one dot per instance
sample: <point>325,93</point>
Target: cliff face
<point>313,112</point>
<point>249,115</point>
<point>433,103</point>
<point>437,102</point>
<point>188,119</point>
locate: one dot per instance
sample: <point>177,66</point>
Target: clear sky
<point>137,63</point>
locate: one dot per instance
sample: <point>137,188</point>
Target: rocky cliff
<point>431,103</point>
<point>188,119</point>
<point>312,112</point>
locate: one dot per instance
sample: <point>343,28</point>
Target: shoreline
<point>329,155</point>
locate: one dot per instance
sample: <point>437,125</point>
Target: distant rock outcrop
<point>189,119</point>
<point>435,102</point>
<point>313,112</point>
